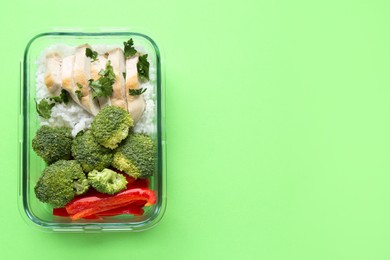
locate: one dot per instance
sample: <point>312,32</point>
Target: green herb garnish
<point>124,74</point>
<point>129,48</point>
<point>136,92</point>
<point>91,54</point>
<point>79,94</point>
<point>102,87</point>
<point>143,67</point>
<point>44,108</point>
<point>63,97</point>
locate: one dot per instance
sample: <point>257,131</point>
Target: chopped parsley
<point>102,87</point>
<point>91,54</point>
<point>143,67</point>
<point>136,92</point>
<point>44,108</point>
<point>63,97</point>
<point>46,104</point>
<point>129,48</point>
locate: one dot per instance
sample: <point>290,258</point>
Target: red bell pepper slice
<point>93,217</point>
<point>134,208</point>
<point>87,206</point>
<point>136,183</point>
<point>61,212</point>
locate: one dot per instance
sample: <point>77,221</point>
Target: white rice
<point>72,115</point>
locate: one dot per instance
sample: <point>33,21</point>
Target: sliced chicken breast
<point>96,67</point>
<point>53,73</point>
<point>67,78</point>
<point>81,75</point>
<point>135,104</point>
<point>117,59</point>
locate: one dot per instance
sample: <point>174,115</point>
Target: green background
<point>278,122</point>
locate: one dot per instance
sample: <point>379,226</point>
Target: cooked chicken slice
<point>67,78</point>
<point>117,59</point>
<point>135,104</point>
<point>81,75</point>
<point>53,73</point>
<point>96,67</point>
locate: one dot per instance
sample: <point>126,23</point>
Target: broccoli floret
<point>90,154</point>
<point>136,156</point>
<point>53,143</point>
<point>107,181</point>
<point>60,182</point>
<point>111,125</point>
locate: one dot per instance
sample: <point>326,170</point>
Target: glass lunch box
<point>31,165</point>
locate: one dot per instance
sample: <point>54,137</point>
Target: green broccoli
<point>60,182</point>
<point>111,125</point>
<point>90,154</point>
<point>136,156</point>
<point>107,181</point>
<point>53,143</point>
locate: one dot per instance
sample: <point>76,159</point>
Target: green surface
<point>278,129</point>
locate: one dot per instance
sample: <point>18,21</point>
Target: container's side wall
<point>34,166</point>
